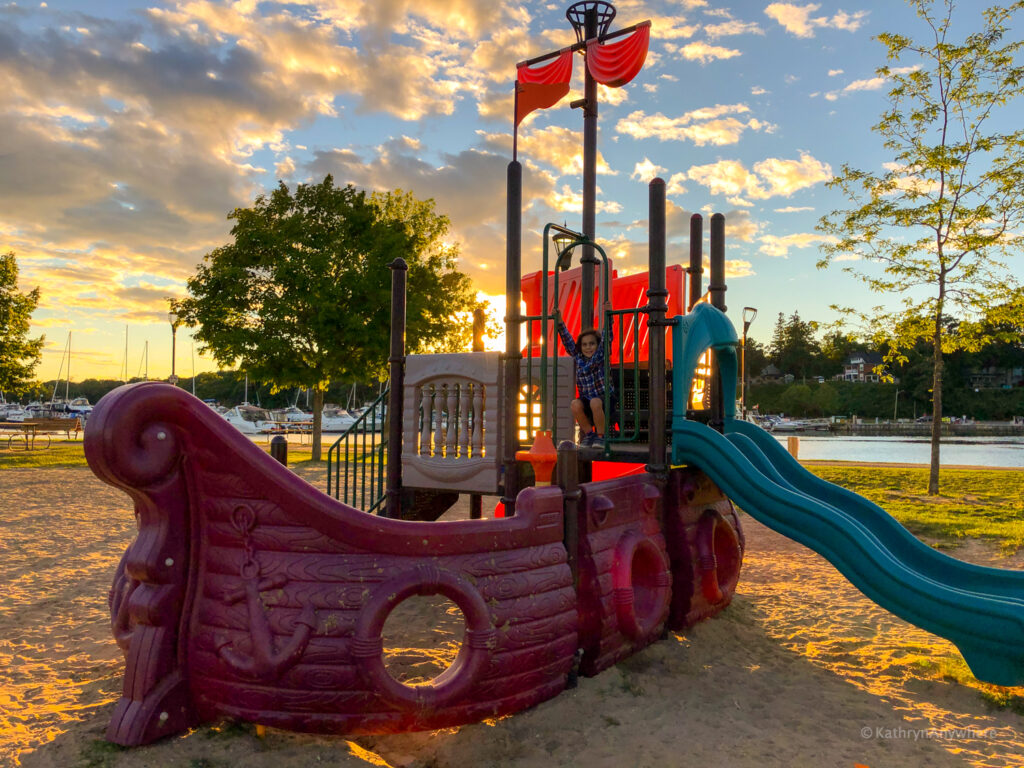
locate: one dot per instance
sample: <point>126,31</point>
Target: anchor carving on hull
<point>265,661</point>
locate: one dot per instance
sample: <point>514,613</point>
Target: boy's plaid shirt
<point>589,373</point>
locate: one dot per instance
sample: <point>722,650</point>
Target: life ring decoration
<point>720,553</point>
<point>474,654</point>
<point>642,586</point>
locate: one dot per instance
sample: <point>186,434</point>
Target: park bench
<point>28,434</point>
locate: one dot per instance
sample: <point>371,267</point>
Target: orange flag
<point>541,87</point>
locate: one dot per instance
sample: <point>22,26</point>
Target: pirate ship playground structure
<point>249,594</point>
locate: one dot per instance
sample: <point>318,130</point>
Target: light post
<point>172,316</point>
<point>896,404</point>
<point>562,240</point>
<point>749,313</point>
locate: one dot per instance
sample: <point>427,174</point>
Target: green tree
<point>794,349</point>
<point>836,346</point>
<point>949,207</point>
<point>19,354</point>
<point>301,296</point>
<point>797,400</point>
<point>825,400</point>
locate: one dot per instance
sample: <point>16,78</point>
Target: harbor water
<point>971,451</point>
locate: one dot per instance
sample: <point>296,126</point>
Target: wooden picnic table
<point>30,434</point>
<point>25,433</point>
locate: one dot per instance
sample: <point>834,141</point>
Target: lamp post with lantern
<point>172,317</point>
<point>749,313</point>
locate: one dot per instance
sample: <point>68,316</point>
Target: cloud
<point>645,171</point>
<point>125,148</point>
<point>671,28</point>
<point>869,83</point>
<point>794,208</point>
<point>757,91</point>
<point>834,72</point>
<point>556,147</point>
<point>905,178</point>
<point>674,186</point>
<point>709,125</point>
<point>732,27</point>
<point>571,201</point>
<point>773,245</point>
<point>703,52</point>
<point>797,19</point>
<point>771,177</point>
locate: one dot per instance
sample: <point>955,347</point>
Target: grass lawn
<point>980,504</point>
<point>60,454</point>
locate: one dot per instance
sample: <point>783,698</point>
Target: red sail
<point>615,64</point>
<point>541,87</point>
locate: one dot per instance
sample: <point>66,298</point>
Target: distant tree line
<point>804,350</point>
<point>871,401</point>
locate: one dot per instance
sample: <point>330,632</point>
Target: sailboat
<point>65,407</point>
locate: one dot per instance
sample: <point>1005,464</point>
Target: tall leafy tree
<point>935,228</point>
<point>19,354</point>
<point>301,296</point>
<point>793,348</point>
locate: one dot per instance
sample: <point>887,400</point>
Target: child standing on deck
<point>588,408</point>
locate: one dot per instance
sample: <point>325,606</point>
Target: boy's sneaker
<point>597,442</point>
<point>588,439</point>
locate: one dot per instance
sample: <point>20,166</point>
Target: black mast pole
<point>657,307</point>
<point>696,269</point>
<point>589,260</point>
<point>716,287</point>
<point>512,356</point>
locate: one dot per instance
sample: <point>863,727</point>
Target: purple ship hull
<point>250,594</point>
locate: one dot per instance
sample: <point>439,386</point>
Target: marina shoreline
<point>902,465</point>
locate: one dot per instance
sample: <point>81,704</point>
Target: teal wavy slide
<point>980,610</point>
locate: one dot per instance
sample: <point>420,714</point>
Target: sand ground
<point>801,670</point>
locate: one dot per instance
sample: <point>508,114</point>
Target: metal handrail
<point>620,338</point>
<point>562,262</point>
<point>363,486</point>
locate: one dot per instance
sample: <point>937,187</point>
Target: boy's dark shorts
<point>612,411</point>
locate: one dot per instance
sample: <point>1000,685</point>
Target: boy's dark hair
<point>592,332</point>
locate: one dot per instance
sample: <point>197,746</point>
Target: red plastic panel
<point>283,590</point>
<point>628,292</point>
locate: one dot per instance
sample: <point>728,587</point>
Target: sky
<point>128,132</point>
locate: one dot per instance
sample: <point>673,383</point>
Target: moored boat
<point>251,420</point>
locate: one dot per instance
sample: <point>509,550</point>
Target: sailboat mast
<point>60,371</point>
<point>67,381</point>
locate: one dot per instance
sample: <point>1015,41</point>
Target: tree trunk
<point>937,363</point>
<point>318,417</point>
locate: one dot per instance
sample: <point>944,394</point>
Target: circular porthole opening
<point>648,585</point>
<point>728,556</point>
<point>422,637</point>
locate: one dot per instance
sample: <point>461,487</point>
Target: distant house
<point>995,377</point>
<point>859,366</point>
<point>769,373</point>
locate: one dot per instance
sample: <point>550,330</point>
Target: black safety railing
<point>548,323</point>
<point>626,382</point>
<point>356,461</point>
